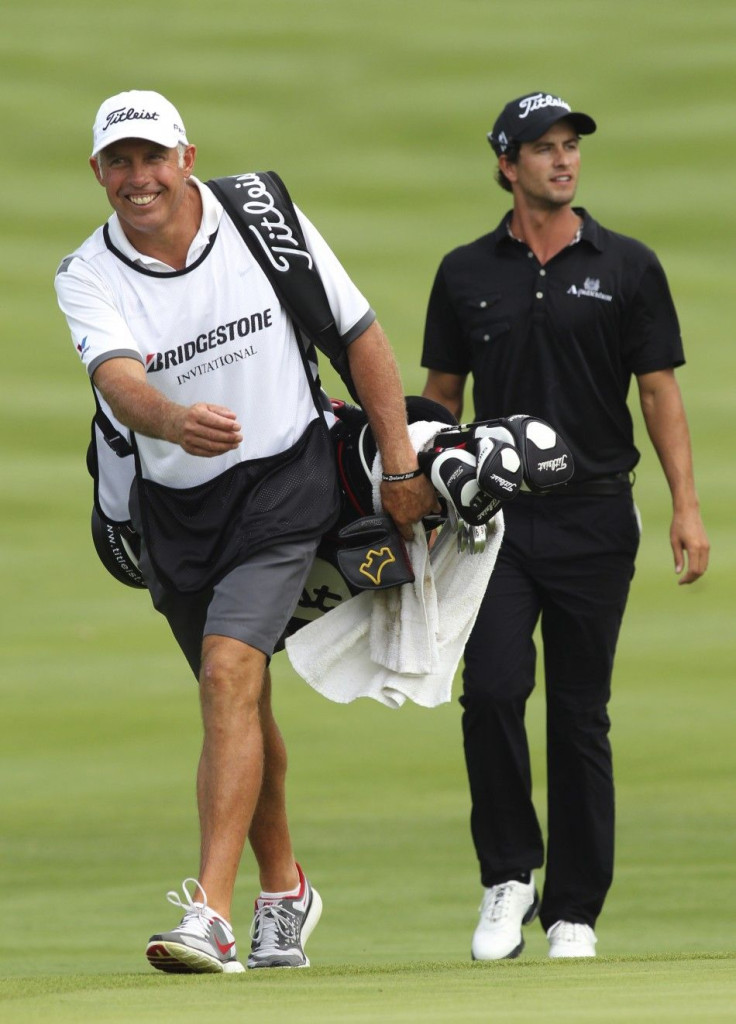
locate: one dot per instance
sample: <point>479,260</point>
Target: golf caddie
<point>188,346</point>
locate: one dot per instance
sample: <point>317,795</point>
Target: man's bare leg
<point>231,765</point>
<point>269,832</point>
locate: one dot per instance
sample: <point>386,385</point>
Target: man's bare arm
<point>200,429</point>
<point>664,415</point>
<point>378,382</point>
<point>447,389</point>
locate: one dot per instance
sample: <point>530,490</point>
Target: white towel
<point>404,643</point>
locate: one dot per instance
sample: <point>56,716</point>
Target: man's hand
<point>408,501</point>
<point>203,429</point>
<point>688,536</point>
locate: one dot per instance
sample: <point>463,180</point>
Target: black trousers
<point>570,561</point>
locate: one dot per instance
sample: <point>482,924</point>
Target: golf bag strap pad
<point>261,208</point>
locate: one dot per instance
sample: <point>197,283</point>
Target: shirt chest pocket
<point>483,319</point>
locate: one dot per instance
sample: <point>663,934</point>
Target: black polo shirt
<point>558,341</point>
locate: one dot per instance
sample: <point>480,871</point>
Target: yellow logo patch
<point>383,557</point>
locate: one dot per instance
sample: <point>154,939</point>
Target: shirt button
<point>530,255</point>
<point>486,337</point>
<point>483,304</point>
<point>542,273</point>
<point>540,295</point>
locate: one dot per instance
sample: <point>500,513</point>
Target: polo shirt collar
<point>211,214</point>
<point>590,231</point>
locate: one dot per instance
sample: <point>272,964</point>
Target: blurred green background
<point>375,114</point>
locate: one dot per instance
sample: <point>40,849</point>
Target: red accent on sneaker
<point>224,947</point>
<point>265,901</point>
<point>157,951</point>
<point>302,882</point>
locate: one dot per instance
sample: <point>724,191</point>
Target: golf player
<point>187,344</point>
<point>553,314</point>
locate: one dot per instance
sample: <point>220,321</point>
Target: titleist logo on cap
<point>121,114</point>
<point>531,103</point>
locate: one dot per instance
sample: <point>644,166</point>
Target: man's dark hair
<point>512,155</point>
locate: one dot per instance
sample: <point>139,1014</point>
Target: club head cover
<point>453,474</point>
<point>371,554</point>
<point>459,436</point>
<point>499,471</point>
<point>546,459</point>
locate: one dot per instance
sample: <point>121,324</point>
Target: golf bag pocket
<point>372,556</point>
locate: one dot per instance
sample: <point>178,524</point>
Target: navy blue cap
<point>529,117</point>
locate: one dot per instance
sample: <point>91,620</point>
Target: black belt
<point>602,486</point>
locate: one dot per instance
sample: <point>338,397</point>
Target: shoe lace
<point>197,915</point>
<point>495,903</point>
<point>570,931</point>
<point>272,922</point>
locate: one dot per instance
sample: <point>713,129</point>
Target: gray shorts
<point>253,603</point>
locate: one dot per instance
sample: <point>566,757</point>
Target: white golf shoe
<point>571,939</point>
<point>504,909</point>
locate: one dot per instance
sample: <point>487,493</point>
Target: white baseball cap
<point>138,114</point>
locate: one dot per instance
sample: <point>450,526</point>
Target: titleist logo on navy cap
<point>530,103</point>
<point>528,117</point>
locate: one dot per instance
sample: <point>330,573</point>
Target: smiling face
<point>146,185</point>
<point>545,175</point>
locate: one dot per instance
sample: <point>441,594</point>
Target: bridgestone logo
<point>203,343</point>
<point>553,465</point>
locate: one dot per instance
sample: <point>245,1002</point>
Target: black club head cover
<point>546,459</point>
<point>499,471</point>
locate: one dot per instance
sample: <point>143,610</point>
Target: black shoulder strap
<point>261,208</point>
<point>119,444</point>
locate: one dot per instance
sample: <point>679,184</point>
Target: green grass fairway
<point>615,990</point>
<point>375,113</point>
